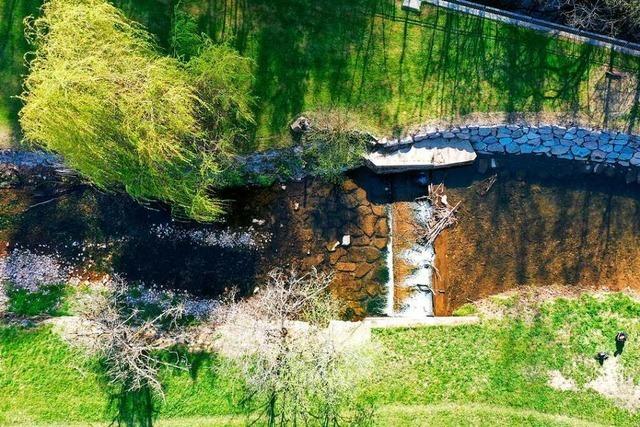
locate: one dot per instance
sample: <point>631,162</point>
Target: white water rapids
<point>421,259</point>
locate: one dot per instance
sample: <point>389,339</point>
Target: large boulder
<point>300,125</point>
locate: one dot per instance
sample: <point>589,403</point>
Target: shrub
<point>333,145</point>
<point>295,372</point>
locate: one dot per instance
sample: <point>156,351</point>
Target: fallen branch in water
<point>442,213</point>
<point>59,196</point>
<point>488,183</point>
<point>45,202</point>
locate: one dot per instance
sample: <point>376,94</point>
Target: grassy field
<point>507,363</point>
<point>495,373</point>
<point>395,69</point>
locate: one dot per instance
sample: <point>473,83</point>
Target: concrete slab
<point>427,154</point>
<point>413,5</point>
<point>404,322</point>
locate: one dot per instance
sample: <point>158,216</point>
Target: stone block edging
<point>571,143</point>
<point>413,322</point>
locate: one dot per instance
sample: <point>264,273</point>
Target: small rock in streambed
<point>331,247</point>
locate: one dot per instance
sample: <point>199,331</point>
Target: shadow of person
<point>601,357</point>
<point>621,339</point>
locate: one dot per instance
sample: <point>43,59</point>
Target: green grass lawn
<point>396,69</point>
<point>493,374</point>
<point>393,68</point>
<point>506,363</point>
<point>43,380</point>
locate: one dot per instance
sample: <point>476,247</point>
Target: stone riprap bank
<point>573,143</point>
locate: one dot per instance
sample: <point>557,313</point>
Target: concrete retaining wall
<point>404,322</point>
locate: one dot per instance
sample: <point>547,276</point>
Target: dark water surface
<point>287,226</point>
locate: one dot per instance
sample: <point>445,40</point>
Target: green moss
<point>264,180</point>
<point>376,305</point>
<point>465,310</point>
<point>8,220</point>
<point>382,271</point>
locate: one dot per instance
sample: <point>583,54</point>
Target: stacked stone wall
<point>594,147</point>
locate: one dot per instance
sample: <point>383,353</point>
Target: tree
<point>125,116</point>
<point>613,17</point>
<point>128,342</point>
<point>295,369</point>
<point>223,77</point>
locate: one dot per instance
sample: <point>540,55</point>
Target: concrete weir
<point>423,155</point>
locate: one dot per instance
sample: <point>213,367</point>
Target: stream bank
<point>544,221</point>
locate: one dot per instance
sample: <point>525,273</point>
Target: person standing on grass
<point>621,339</point>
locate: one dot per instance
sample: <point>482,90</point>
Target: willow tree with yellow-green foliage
<point>124,115</point>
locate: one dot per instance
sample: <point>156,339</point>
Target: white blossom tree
<point>296,371</point>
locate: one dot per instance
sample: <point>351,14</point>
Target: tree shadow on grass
<point>133,408</point>
<point>302,50</point>
<point>635,110</point>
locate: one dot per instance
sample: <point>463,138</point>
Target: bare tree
<point>612,17</point>
<point>127,342</point>
<point>295,369</point>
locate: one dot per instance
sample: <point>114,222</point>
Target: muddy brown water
<point>543,222</point>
